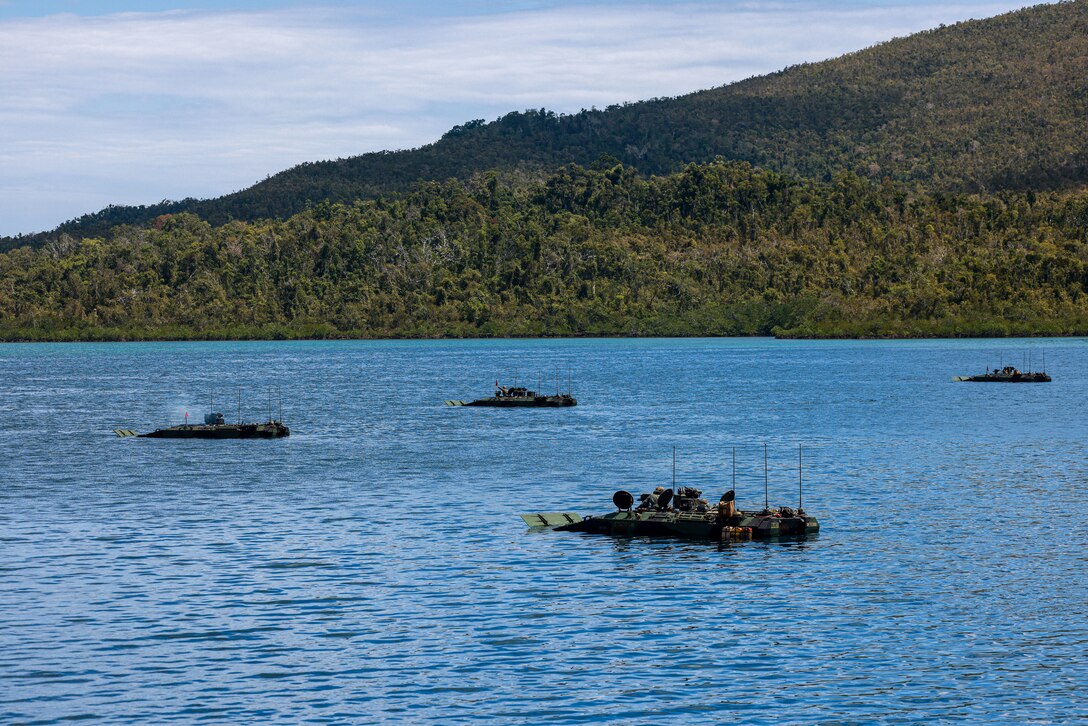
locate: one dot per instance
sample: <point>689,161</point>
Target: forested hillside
<point>719,248</point>
<point>996,104</point>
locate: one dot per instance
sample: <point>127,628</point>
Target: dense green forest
<point>721,248</point>
<point>988,105</point>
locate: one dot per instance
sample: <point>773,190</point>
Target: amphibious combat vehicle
<point>685,513</point>
<point>1008,374</point>
<point>519,397</point>
<point>690,518</point>
<point>214,427</point>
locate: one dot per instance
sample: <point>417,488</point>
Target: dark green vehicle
<point>518,397</point>
<point>1008,374</point>
<point>214,427</point>
<point>683,514</point>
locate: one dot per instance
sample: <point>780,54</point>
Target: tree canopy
<point>721,248</point>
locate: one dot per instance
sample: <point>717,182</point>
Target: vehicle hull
<point>694,525</point>
<point>271,430</point>
<point>520,402</point>
<point>1003,378</point>
<point>537,402</point>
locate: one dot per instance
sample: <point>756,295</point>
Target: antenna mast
<point>674,468</point>
<point>734,472</point>
<point>766,481</point>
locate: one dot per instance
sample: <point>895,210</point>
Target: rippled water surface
<point>372,568</point>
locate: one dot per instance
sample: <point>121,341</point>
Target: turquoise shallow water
<point>371,568</point>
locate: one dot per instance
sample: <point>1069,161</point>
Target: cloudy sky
<point>125,102</point>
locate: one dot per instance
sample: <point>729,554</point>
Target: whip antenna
<point>766,481</point>
<point>674,467</point>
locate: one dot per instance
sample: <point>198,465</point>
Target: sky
<point>124,102</point>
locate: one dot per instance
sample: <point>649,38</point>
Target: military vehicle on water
<point>519,397</point>
<point>656,518</point>
<point>683,512</point>
<point>215,427</point>
<point>1008,374</point>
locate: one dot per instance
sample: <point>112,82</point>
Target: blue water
<point>371,568</point>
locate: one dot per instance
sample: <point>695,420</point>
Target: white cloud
<point>134,108</point>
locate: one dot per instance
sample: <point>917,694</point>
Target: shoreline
<point>105,336</point>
